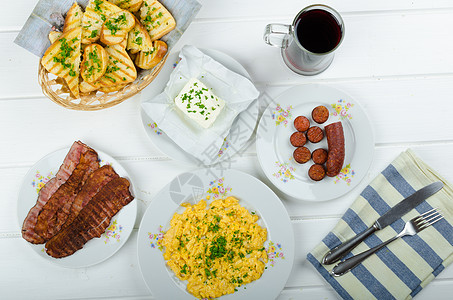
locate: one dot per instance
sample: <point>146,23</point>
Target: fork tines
<point>428,218</point>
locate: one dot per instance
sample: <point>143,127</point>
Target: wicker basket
<point>58,92</point>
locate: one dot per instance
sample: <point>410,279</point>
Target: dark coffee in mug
<point>318,31</point>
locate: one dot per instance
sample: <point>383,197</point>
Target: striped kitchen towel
<point>406,266</point>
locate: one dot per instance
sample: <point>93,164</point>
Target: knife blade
<point>388,218</point>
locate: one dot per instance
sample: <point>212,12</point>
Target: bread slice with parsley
<point>130,5</point>
<point>54,35</point>
<point>62,58</point>
<point>96,13</point>
<point>149,59</point>
<point>73,18</point>
<point>120,68</point>
<point>157,20</point>
<point>115,29</point>
<point>123,44</point>
<point>111,89</point>
<point>86,87</point>
<point>138,39</point>
<point>94,63</point>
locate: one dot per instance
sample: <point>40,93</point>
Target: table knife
<point>388,218</point>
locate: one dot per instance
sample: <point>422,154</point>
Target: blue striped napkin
<point>406,266</point>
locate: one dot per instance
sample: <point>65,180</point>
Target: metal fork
<point>412,227</point>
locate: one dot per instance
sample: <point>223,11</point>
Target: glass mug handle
<point>282,30</point>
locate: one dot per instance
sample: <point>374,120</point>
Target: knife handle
<point>340,251</point>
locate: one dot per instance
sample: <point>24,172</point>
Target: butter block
<point>199,103</point>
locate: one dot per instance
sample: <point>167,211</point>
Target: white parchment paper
<point>237,91</point>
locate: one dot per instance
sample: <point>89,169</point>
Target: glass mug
<point>309,43</point>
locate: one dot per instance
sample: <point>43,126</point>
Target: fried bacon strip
<point>69,164</point>
<point>97,180</point>
<point>92,220</point>
<point>55,212</point>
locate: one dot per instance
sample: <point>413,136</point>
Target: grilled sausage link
<point>336,145</point>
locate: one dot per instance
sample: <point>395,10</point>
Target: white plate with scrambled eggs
<point>211,235</point>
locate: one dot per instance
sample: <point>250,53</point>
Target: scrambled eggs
<point>216,249</point>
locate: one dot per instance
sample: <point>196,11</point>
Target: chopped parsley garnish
<point>94,33</point>
<point>149,52</point>
<point>218,248</point>
<point>148,19</point>
<point>184,269</point>
<point>111,69</point>
<point>112,79</point>
<point>114,25</point>
<point>66,52</point>
<point>207,272</point>
<point>97,5</point>
<point>138,40</point>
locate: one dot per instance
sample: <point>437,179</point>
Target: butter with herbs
<point>199,103</point>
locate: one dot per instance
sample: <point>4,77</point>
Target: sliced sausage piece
<point>301,123</point>
<point>320,114</point>
<point>302,155</point>
<point>335,142</point>
<point>298,139</point>
<point>317,172</point>
<point>315,134</point>
<point>319,156</point>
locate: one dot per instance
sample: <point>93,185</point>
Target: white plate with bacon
<point>76,206</point>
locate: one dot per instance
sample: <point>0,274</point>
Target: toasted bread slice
<point>73,18</point>
<point>96,13</point>
<point>120,68</point>
<point>138,39</point>
<point>112,88</point>
<point>133,55</point>
<point>54,35</point>
<point>86,87</point>
<point>94,63</point>
<point>149,59</point>
<point>123,43</point>
<point>115,29</point>
<point>62,58</point>
<point>130,5</point>
<point>64,86</point>
<point>156,18</point>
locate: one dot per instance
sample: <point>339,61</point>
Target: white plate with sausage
<point>276,152</point>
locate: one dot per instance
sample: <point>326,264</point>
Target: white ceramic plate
<point>191,187</point>
<point>275,152</point>
<point>241,129</point>
<point>96,250</point>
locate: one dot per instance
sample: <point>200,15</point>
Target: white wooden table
<point>396,61</point>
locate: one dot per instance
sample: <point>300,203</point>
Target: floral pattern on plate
<point>103,162</point>
<point>345,174</point>
<point>274,252</point>
<point>40,180</point>
<point>156,239</point>
<point>217,188</point>
<point>285,171</point>
<point>176,62</point>
<point>282,115</point>
<point>154,127</point>
<point>223,148</point>
<point>341,109</point>
<point>112,233</point>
